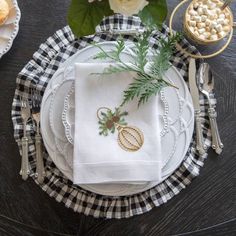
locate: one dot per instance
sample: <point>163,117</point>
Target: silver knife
<point>200,146</point>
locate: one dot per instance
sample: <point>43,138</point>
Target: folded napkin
<point>101,159</point>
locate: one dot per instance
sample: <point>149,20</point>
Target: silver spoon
<point>226,3</point>
<point>205,82</point>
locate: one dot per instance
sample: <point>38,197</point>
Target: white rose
<point>127,7</point>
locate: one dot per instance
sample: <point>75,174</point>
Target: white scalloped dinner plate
<point>9,29</point>
<point>175,140</point>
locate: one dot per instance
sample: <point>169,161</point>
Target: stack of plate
<point>176,117</point>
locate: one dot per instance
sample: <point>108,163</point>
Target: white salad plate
<point>176,117</point>
<point>10,28</point>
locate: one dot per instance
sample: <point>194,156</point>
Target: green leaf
<point>83,16</point>
<point>154,13</point>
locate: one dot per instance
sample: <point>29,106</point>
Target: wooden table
<point>206,207</point>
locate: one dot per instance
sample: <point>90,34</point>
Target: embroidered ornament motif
<point>130,138</point>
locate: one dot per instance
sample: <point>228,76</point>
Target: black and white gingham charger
<point>38,72</point>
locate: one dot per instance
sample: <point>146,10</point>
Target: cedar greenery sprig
<point>145,84</point>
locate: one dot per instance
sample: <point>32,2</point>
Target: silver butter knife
<point>201,147</point>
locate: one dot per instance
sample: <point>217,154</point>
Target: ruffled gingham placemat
<point>38,72</point>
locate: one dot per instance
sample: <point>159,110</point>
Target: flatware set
<point>26,109</point>
<point>203,81</point>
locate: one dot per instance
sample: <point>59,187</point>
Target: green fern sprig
<point>145,84</point>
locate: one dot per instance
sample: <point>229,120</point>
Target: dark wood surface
<point>206,207</point>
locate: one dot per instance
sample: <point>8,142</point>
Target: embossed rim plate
<point>9,29</point>
<point>109,189</point>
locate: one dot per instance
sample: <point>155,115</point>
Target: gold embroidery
<point>130,138</point>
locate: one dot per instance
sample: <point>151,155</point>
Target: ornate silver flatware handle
<point>40,173</point>
<point>217,145</point>
<point>24,172</point>
<point>201,147</point>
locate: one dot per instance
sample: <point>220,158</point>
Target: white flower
<point>127,7</point>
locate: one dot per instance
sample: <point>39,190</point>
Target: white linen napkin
<point>100,159</point>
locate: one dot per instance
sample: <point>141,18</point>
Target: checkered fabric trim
<point>38,72</point>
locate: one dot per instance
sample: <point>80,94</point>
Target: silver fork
<point>206,86</point>
<point>25,114</point>
<point>36,103</point>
